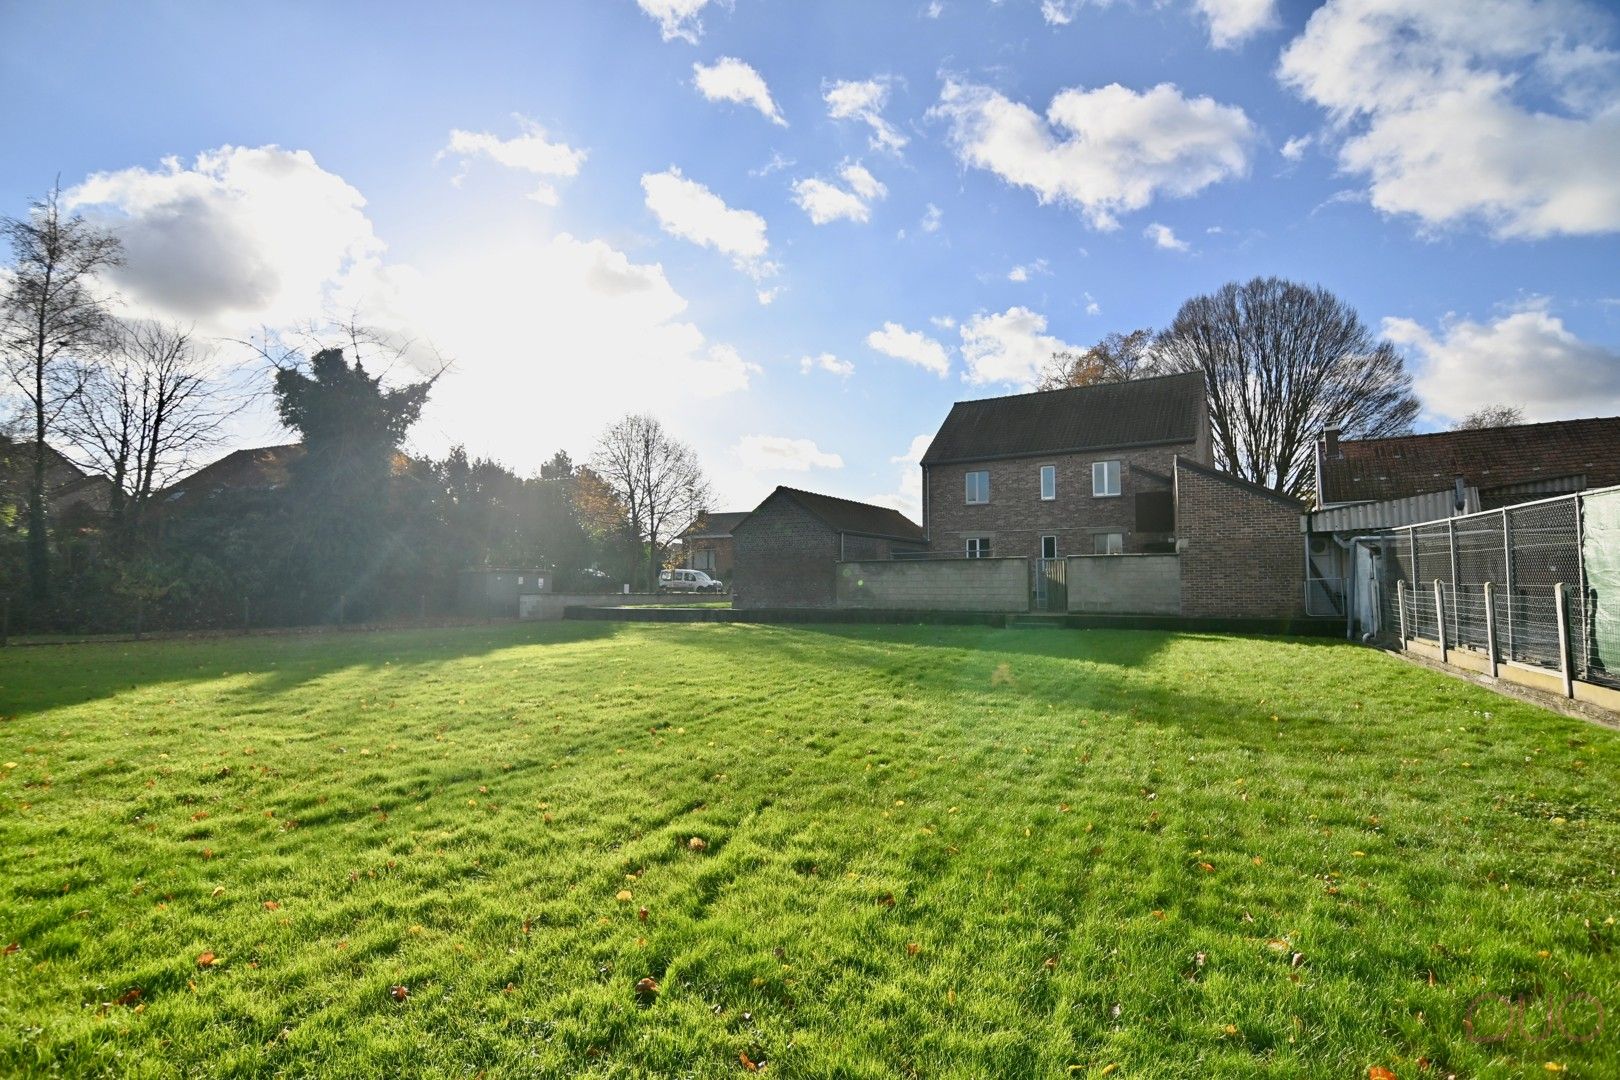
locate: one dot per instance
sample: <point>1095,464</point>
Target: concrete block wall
<point>1125,584</point>
<point>936,585</point>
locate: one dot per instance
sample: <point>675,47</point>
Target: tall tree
<point>351,427</point>
<point>150,403</point>
<point>51,312</point>
<point>1282,361</point>
<point>1490,416</point>
<point>1115,358</point>
<point>657,480</point>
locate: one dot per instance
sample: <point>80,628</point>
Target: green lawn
<point>926,851</point>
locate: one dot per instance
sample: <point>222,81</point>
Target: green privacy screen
<point>1600,551</point>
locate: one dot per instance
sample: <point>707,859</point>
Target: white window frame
<point>1052,537</point>
<point>976,547</point>
<point>1048,491</point>
<point>968,487</point>
<point>1100,491</point>
<point>1105,538</point>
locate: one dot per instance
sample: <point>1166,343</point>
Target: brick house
<point>707,544</point>
<point>788,547</point>
<point>1081,471</point>
<point>1239,545</point>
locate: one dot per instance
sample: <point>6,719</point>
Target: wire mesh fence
<point>1503,571</point>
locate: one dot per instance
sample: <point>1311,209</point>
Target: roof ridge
<point>1087,386</point>
<point>1454,432</point>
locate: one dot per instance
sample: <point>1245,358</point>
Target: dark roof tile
<point>1486,458</point>
<point>848,516</point>
<point>1140,412</point>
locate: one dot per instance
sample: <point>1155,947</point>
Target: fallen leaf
<point>1206,867</point>
<point>206,960</point>
<point>911,948</point>
<point>219,890</point>
<point>399,993</point>
<point>647,989</point>
<point>886,900</point>
<point>642,914</point>
<point>624,896</point>
<point>1378,1072</point>
<point>129,997</point>
<point>697,844</point>
<point>9,949</point>
<point>742,1056</point>
<point>272,905</point>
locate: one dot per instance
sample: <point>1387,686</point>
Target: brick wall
<point>1125,584</point>
<point>785,557</point>
<point>1242,554</point>
<point>1016,517</point>
<point>942,585</point>
<point>721,563</point>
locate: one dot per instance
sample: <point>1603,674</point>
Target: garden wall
<point>935,585</point>
<point>1125,584</point>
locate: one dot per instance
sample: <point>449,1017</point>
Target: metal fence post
<point>1400,607</point>
<point>1490,626</point>
<point>1507,573</point>
<point>1585,601</point>
<point>1440,617</point>
<point>1560,609</point>
<point>1456,594</point>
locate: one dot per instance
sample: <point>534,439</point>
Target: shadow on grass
<point>40,678</point>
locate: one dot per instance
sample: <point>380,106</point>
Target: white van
<point>688,581</point>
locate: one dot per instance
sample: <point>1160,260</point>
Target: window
<point>978,487</point>
<point>1048,482</point>
<point>978,547</point>
<point>1105,478</point>
<point>1048,547</point>
<point>1107,543</point>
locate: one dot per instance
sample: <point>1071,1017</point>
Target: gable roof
<point>848,516</point>
<point>1486,458</point>
<point>1238,482</point>
<point>260,468</point>
<point>1138,412</point>
<point>713,526</point>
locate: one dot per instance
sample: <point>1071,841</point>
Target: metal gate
<point>1050,588</point>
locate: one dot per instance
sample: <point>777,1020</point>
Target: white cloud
<point>1294,149</point>
<point>944,322</point>
<point>864,100</point>
<point>931,219</point>
<point>1105,151</point>
<point>687,209</point>
<point>243,236</point>
<point>935,9</point>
<point>1527,358</point>
<point>912,346</point>
<point>778,453</point>
<point>1231,22</point>
<point>826,202</point>
<point>1505,112</point>
<point>766,297</point>
<point>552,335</point>
<point>1009,348</point>
<point>907,498</point>
<point>530,152</point>
<point>826,362</point>
<point>729,79</point>
<point>1092,307</point>
<point>1024,271</point>
<point>676,18</point>
<point>1163,236</point>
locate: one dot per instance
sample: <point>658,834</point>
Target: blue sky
<point>798,232</point>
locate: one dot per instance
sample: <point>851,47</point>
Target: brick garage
<point>1242,553</point>
<point>788,549</point>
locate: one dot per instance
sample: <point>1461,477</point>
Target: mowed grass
<point>927,851</point>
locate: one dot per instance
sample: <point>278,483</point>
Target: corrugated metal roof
<point>1371,516</point>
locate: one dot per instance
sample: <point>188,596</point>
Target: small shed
<point>499,592</point>
<point>788,549</point>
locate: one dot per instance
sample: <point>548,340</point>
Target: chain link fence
<point>1514,562</point>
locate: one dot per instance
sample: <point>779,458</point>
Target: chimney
<point>1330,442</point>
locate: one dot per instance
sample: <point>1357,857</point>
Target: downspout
<point>1350,592</point>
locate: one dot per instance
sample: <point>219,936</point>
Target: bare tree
<point>150,403</point>
<point>1489,416</point>
<point>655,477</point>
<point>1115,358</point>
<point>1282,361</point>
<point>50,312</point>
